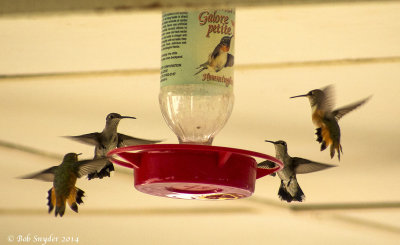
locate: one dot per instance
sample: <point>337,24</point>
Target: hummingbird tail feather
<point>333,151</point>
<point>60,210</point>
<point>202,69</point>
<point>323,145</point>
<point>319,135</point>
<point>79,195</point>
<point>104,172</point>
<point>335,148</point>
<point>320,139</point>
<point>285,194</point>
<point>51,199</point>
<point>299,195</point>
<point>92,176</point>
<point>75,198</point>
<point>338,149</point>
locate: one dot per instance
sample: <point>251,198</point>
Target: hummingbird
<point>64,178</point>
<point>289,189</point>
<point>220,57</point>
<point>107,140</point>
<point>326,119</point>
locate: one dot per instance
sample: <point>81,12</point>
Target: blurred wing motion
<point>90,139</point>
<point>267,165</point>
<point>45,175</point>
<point>340,112</point>
<point>86,167</point>
<point>304,166</point>
<point>328,100</point>
<point>230,61</point>
<point>126,140</point>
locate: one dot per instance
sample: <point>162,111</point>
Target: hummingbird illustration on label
<point>326,119</point>
<point>64,178</point>
<point>107,140</point>
<point>220,57</point>
<point>289,189</point>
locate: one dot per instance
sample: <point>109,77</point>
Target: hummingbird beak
<point>273,142</point>
<point>303,95</point>
<point>79,154</point>
<point>122,117</point>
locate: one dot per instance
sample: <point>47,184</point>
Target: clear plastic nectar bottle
<point>197,56</point>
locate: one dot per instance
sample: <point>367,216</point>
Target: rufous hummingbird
<point>64,178</point>
<point>326,119</point>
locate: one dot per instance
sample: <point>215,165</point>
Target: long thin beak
<point>303,95</point>
<point>273,142</point>
<point>122,117</point>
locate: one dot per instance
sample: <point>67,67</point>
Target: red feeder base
<point>193,171</point>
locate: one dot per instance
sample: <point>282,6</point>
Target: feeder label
<point>197,47</point>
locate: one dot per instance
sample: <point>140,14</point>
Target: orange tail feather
<point>75,198</point>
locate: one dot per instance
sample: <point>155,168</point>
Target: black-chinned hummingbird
<point>107,140</point>
<point>326,119</point>
<point>289,189</point>
<point>220,57</point>
<point>64,178</point>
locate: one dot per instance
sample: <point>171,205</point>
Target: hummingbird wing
<point>305,166</point>
<point>230,60</point>
<point>340,112</point>
<point>86,167</point>
<point>90,139</point>
<point>267,165</point>
<point>215,53</point>
<point>45,175</point>
<point>126,140</point>
<point>328,100</point>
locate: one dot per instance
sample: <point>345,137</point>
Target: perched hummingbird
<point>326,119</point>
<point>220,57</point>
<point>108,140</point>
<point>290,189</point>
<point>64,179</point>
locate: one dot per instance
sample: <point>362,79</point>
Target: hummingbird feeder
<point>196,100</point>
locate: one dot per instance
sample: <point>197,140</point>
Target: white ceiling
<point>89,65</point>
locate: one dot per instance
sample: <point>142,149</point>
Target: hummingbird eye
<point>281,142</point>
<point>111,116</point>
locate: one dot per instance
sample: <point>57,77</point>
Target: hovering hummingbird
<point>64,179</point>
<point>220,57</point>
<point>290,189</point>
<point>326,119</point>
<point>108,140</point>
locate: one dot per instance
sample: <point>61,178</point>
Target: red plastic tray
<point>193,171</point>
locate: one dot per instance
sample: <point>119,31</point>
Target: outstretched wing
<point>340,112</point>
<point>230,60</point>
<point>86,167</point>
<point>45,175</point>
<point>305,166</point>
<point>267,165</point>
<point>328,99</point>
<point>126,140</point>
<point>215,53</point>
<point>90,139</point>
